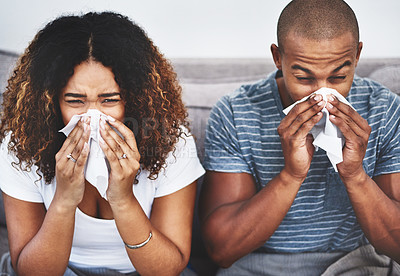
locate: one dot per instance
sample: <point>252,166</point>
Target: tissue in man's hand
<point>326,135</point>
<point>96,170</point>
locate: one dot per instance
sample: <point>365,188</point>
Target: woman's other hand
<point>124,158</point>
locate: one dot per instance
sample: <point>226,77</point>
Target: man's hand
<point>356,132</point>
<point>296,141</point>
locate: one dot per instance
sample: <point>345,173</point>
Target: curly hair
<point>154,109</point>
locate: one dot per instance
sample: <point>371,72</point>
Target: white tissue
<point>326,135</point>
<point>96,170</point>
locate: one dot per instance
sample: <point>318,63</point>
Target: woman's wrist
<point>122,204</point>
<point>63,206</point>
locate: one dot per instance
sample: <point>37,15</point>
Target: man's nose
<point>320,84</point>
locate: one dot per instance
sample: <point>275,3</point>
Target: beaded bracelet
<point>136,246</point>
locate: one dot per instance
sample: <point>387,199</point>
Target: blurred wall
<point>200,28</point>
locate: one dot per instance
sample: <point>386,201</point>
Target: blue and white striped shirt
<point>242,136</point>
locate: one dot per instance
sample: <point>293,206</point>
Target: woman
<point>58,222</point>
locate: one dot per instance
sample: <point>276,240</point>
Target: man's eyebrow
<point>75,95</point>
<point>298,67</point>
<point>346,63</point>
<point>110,94</point>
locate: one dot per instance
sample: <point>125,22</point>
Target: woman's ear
<point>276,55</point>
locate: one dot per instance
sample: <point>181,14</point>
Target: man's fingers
<point>347,119</point>
<point>302,117</point>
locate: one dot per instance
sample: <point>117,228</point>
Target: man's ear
<point>359,48</point>
<point>276,55</point>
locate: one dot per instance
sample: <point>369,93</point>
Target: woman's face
<point>92,86</point>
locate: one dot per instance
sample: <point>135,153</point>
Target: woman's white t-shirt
<point>96,242</point>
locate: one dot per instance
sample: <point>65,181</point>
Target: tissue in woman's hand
<point>326,135</point>
<point>96,170</point>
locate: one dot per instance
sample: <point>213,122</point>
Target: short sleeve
<point>182,168</point>
<point>222,149</point>
<point>389,155</point>
<point>14,181</point>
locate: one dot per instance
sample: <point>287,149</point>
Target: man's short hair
<point>317,20</point>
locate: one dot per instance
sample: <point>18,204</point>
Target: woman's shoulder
<point>8,156</point>
<point>184,147</point>
<point>18,180</point>
<point>182,166</point>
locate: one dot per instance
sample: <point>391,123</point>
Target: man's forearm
<point>378,215</point>
<point>234,230</point>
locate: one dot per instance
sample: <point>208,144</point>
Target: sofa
<point>203,82</point>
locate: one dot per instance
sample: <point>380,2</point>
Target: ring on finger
<point>124,156</point>
<point>69,156</point>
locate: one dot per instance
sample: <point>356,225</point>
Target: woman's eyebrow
<point>111,94</point>
<point>75,95</point>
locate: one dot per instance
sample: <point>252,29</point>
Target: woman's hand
<point>123,156</point>
<point>70,165</point>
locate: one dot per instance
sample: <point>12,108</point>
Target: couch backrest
<point>204,81</point>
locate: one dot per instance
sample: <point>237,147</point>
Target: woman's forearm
<point>160,255</point>
<point>48,252</point>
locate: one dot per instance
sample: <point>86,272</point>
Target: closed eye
<point>337,79</point>
<point>110,101</point>
<point>304,78</point>
<point>74,101</point>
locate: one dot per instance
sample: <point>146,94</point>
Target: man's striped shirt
<point>242,136</point>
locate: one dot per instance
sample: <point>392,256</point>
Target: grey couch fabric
<point>203,82</point>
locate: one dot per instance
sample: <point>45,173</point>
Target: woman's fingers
<point>71,150</point>
<point>73,137</point>
<point>81,161</point>
<point>128,135</point>
<point>123,147</point>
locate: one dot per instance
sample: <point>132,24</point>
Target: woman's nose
<point>92,105</point>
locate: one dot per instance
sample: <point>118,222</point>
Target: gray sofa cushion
<point>388,76</point>
<point>204,81</point>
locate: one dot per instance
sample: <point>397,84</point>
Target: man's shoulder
<point>371,86</point>
<point>368,91</point>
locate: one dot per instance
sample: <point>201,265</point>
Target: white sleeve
<point>182,168</point>
<point>15,182</point>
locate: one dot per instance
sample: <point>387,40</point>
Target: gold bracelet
<point>136,246</point>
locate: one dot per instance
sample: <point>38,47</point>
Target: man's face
<point>308,65</point>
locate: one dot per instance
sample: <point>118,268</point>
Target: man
<point>271,203</point>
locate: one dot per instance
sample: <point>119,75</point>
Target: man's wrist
<point>356,179</point>
<point>289,179</point>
